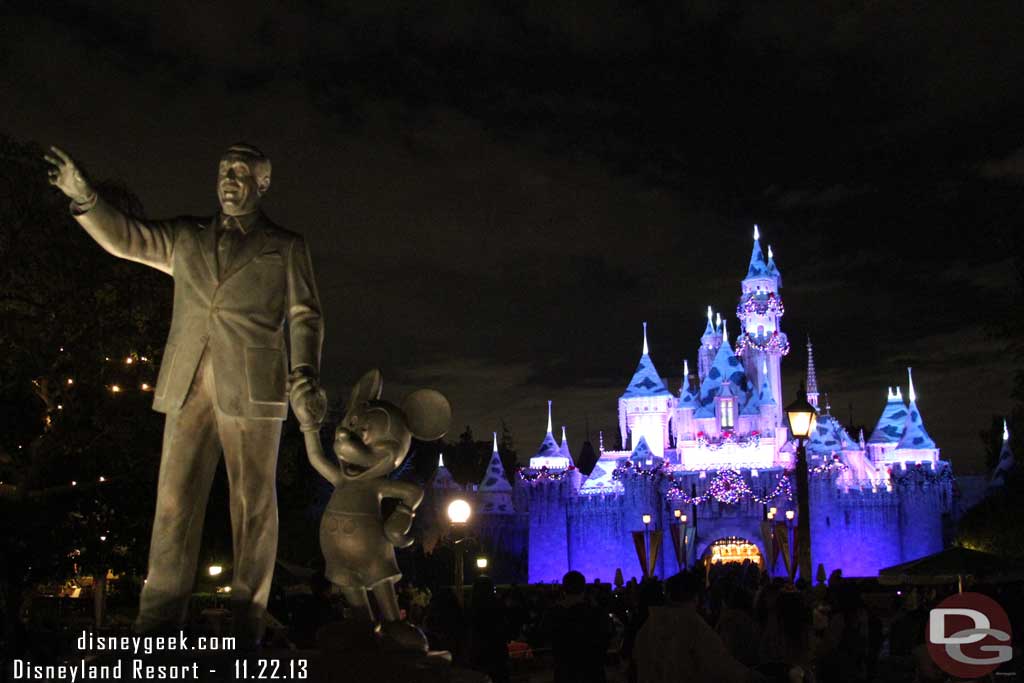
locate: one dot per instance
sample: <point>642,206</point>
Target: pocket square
<point>270,257</point>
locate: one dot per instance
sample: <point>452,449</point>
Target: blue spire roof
<point>646,380</point>
<point>494,478</point>
<point>601,479</point>
<point>914,434</point>
<point>709,329</point>
<point>894,416</point>
<point>563,449</point>
<point>642,453</point>
<point>548,447</point>
<point>1006,460</point>
<point>772,269</point>
<point>726,366</point>
<point>757,268</point>
<point>830,437</point>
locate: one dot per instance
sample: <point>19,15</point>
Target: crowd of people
<point>731,623</point>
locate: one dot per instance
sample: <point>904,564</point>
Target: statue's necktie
<point>230,232</point>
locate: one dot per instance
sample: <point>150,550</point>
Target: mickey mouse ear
<point>427,413</point>
<point>368,388</point>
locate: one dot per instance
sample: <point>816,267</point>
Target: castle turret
<point>685,407</point>
<point>759,310</point>
<point>646,405</point>
<point>1006,460</point>
<point>709,343</point>
<point>915,443</point>
<point>549,454</point>
<point>443,477</point>
<point>494,495</point>
<point>563,448</point>
<point>812,376</point>
<point>887,432</point>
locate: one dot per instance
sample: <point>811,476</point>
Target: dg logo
<point>969,635</point>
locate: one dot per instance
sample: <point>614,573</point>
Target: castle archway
<point>732,549</point>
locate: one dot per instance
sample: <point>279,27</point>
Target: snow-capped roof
<point>772,269</point>
<point>550,453</point>
<point>757,267</point>
<point>563,449</point>
<point>894,416</point>
<point>726,366</point>
<point>914,434</point>
<point>642,452</point>
<point>830,437</point>
<point>494,478</point>
<point>687,399</point>
<point>443,477</point>
<point>646,381</point>
<point>601,479</point>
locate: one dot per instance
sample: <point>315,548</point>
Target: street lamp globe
<point>646,519</point>
<point>459,511</point>
<point>802,416</point>
<point>481,563</point>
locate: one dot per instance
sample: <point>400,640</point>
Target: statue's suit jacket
<point>239,315</point>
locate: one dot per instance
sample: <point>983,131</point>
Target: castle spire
<point>1006,460</point>
<point>914,434</point>
<point>494,446</point>
<point>812,375</point>
<point>772,268</point>
<point>709,331</point>
<point>494,481</point>
<point>725,335</point>
<point>646,381</point>
<point>757,265</point>
<point>549,417</point>
<point>718,321</point>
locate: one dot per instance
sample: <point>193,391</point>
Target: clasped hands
<point>308,399</point>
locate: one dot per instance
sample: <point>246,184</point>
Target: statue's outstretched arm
<point>321,463</point>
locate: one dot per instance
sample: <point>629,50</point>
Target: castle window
<point>725,413</point>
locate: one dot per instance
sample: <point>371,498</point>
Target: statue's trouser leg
<point>359,601</point>
<point>387,601</point>
<point>187,465</point>
<point>250,454</point>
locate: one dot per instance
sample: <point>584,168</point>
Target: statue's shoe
<point>401,635</point>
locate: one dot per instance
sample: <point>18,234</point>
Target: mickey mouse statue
<point>371,442</point>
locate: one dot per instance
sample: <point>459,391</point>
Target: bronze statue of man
<point>243,293</point>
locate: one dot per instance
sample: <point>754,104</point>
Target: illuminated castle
<point>718,450</point>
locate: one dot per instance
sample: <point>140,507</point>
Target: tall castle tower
<point>646,407</point>
<point>812,376</point>
<point>759,311</point>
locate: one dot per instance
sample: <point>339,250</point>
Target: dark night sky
<point>497,194</point>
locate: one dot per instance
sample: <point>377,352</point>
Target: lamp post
<point>802,421</point>
<point>458,513</point>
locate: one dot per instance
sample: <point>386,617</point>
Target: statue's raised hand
<point>67,177</point>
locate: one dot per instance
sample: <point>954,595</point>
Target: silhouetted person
<point>488,632</point>
<point>579,634</point>
<point>445,623</point>
<point>676,644</point>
